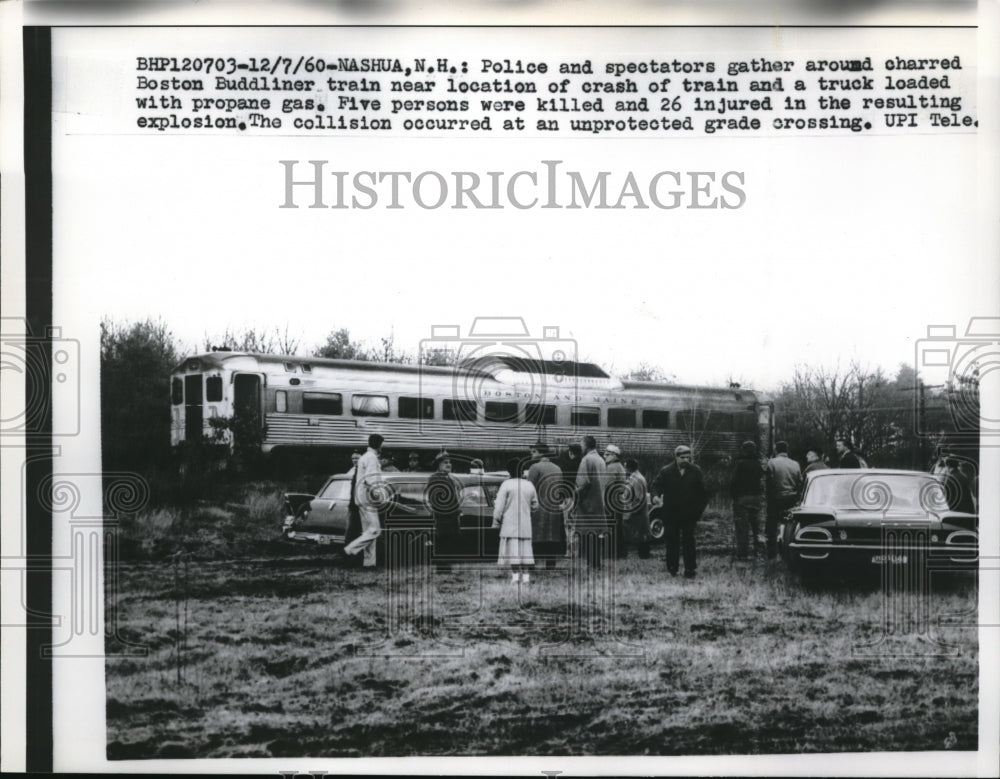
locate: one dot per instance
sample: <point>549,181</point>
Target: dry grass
<point>295,657</point>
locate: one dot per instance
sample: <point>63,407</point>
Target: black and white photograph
<point>528,390</point>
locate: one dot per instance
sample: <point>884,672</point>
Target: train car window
<point>719,420</point>
<point>416,408</point>
<point>307,368</point>
<point>370,405</point>
<point>290,367</point>
<point>745,423</point>
<point>621,417</point>
<point>501,412</point>
<point>690,420</point>
<point>539,414</point>
<point>585,416</point>
<point>653,419</point>
<point>322,403</point>
<point>213,389</point>
<point>463,410</point>
<point>176,391</point>
<point>281,401</point>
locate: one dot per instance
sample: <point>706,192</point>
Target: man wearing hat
<point>365,481</point>
<point>682,488</point>
<point>443,496</point>
<point>615,497</point>
<point>547,519</point>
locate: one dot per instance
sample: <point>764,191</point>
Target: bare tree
<point>255,340</point>
<point>862,404</point>
<point>440,356</point>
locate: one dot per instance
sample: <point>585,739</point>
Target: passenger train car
<point>274,404</point>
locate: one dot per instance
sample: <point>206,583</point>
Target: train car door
<point>247,417</point>
<point>193,409</point>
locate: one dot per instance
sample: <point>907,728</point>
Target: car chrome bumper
<point>868,553</point>
<point>323,539</point>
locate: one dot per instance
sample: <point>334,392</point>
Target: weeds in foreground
<point>280,661</point>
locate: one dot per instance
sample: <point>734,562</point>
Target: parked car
<point>405,500</point>
<point>852,521</point>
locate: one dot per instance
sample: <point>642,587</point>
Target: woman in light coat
<point>512,509</point>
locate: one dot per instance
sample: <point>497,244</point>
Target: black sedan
<point>455,517</point>
<point>863,520</point>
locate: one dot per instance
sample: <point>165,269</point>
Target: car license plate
<point>325,540</point>
<point>892,559</point>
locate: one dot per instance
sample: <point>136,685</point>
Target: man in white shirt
<point>366,481</point>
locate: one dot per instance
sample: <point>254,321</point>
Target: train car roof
<point>475,367</point>
<point>654,386</point>
<point>218,358</point>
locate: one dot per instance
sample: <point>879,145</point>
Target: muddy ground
<point>282,653</point>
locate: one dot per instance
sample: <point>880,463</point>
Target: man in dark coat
<point>958,487</point>
<point>746,491</point>
<point>847,456</point>
<point>684,499</point>
<point>443,497</point>
<point>547,519</point>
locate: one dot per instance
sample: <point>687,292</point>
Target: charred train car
<point>280,404</point>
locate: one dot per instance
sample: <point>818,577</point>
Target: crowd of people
<point>595,505</point>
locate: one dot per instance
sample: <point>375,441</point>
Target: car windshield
<point>875,492</point>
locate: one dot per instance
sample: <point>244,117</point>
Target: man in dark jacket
<point>848,458</point>
<point>814,462</point>
<point>958,487</point>
<point>746,492</point>
<point>682,488</point>
<point>443,496</point>
<point>547,519</point>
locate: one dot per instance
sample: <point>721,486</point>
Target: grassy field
<point>255,651</point>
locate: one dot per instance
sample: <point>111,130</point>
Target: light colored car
<point>405,499</point>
